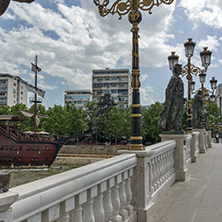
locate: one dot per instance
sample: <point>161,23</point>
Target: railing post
<point>202,144</point>
<point>179,154</point>
<point>6,200</point>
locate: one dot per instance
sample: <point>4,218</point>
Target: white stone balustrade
<point>153,175</point>
<point>98,192</point>
<point>124,188</point>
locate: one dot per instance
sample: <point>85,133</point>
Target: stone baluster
<point>162,180</point>
<point>165,166</point>
<point>88,215</point>
<point>122,191</point>
<point>98,203</point>
<point>116,200</point>
<point>51,214</point>
<point>158,172</point>
<point>172,170</point>
<point>64,212</point>
<point>129,195</point>
<point>168,173</point>
<point>107,203</point>
<point>78,211</point>
<point>153,175</point>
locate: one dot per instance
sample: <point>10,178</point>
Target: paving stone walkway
<point>199,199</point>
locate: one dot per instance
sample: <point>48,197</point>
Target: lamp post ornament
<point>132,7</point>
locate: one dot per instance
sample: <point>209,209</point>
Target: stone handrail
<point>123,188</point>
<point>96,192</point>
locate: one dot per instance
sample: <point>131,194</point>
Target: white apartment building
<point>78,97</point>
<point>116,82</point>
<point>219,96</point>
<point>14,90</point>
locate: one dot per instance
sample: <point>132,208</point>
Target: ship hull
<point>26,153</point>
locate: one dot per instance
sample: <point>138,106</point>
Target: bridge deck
<point>199,199</point>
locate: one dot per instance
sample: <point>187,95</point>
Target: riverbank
<point>62,163</point>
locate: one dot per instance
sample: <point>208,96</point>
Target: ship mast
<point>35,69</point>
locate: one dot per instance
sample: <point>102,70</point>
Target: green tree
<point>5,110</point>
<point>91,114</point>
<point>75,120</point>
<point>214,115</point>
<point>57,122</point>
<point>105,104</point>
<point>117,123</point>
<point>150,122</point>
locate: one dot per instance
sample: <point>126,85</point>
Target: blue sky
<point>71,39</point>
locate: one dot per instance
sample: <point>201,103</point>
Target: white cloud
<point>208,11</point>
<point>146,94</point>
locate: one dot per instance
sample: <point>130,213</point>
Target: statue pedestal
<point>179,154</point>
<point>202,139</point>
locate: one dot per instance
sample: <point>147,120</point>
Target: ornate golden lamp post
<point>189,70</point>
<point>205,94</point>
<point>132,7</point>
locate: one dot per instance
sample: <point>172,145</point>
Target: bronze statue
<point>170,117</point>
<point>197,111</point>
<point>5,3</point>
<point>206,118</point>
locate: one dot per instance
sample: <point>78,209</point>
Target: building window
<point>121,106</point>
<point>114,78</point>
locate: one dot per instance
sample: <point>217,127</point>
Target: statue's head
<point>177,69</point>
<point>200,92</point>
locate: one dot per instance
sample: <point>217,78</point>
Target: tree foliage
<point>214,116</point>
<point>150,129</point>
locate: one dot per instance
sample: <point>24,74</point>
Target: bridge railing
<point>96,192</point>
<point>120,189</point>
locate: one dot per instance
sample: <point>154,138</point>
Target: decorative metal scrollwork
<point>194,70</point>
<point>120,7</point>
<point>147,5</point>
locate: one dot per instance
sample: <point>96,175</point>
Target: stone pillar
<point>6,200</point>
<point>209,139</point>
<point>194,146</point>
<point>202,144</point>
<point>179,155</point>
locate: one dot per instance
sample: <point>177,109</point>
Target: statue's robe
<point>171,115</point>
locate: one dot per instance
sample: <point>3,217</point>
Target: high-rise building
<point>78,97</point>
<point>116,82</point>
<point>14,90</point>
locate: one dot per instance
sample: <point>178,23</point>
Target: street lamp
<point>189,70</point>
<point>132,7</point>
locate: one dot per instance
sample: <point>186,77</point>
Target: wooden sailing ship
<point>26,148</point>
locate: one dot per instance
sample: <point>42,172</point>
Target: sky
<point>71,39</point>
